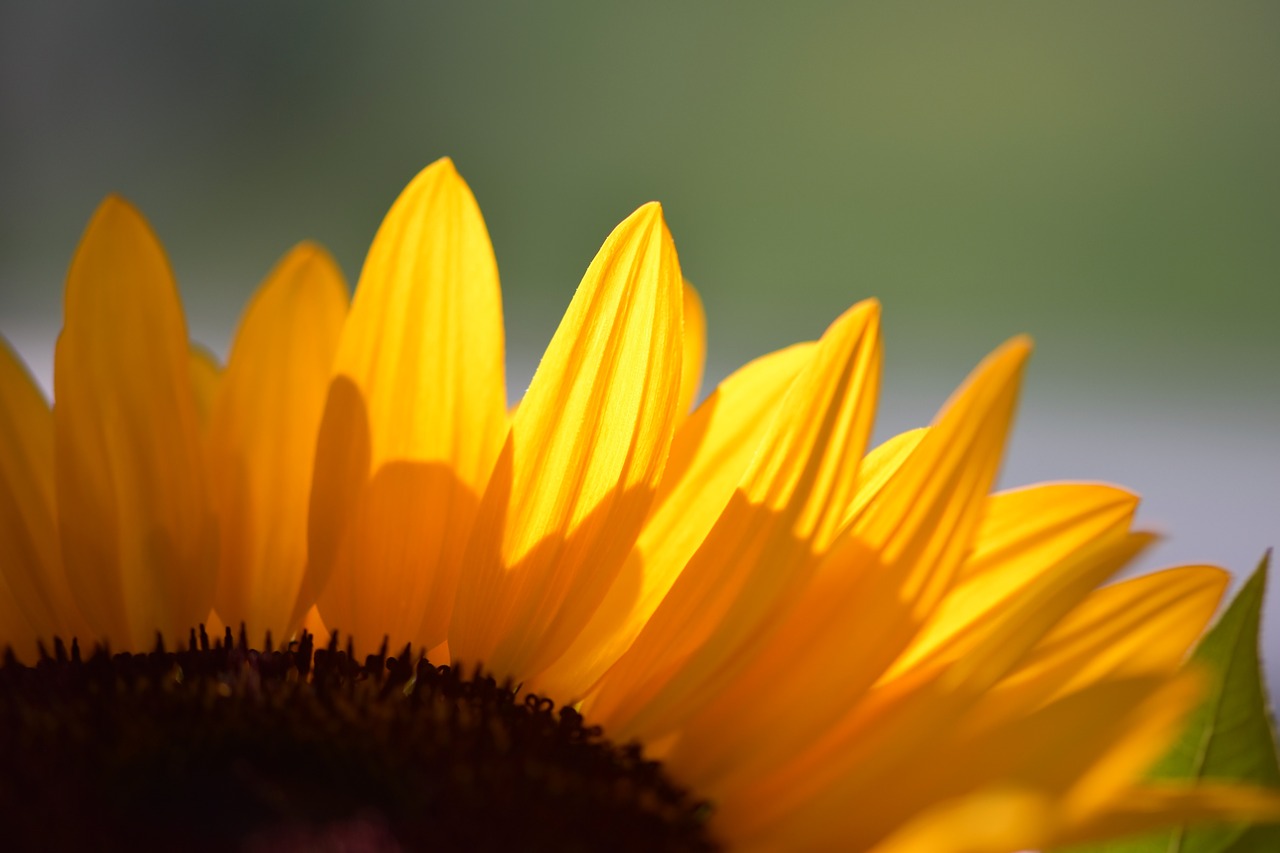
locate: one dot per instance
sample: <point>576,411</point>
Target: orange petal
<point>206,377</point>
<point>35,601</point>
<point>420,383</point>
<point>138,536</point>
<point>262,438</point>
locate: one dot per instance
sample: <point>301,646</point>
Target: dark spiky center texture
<point>223,747</point>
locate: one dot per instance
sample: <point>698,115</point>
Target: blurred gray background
<point>1104,176</point>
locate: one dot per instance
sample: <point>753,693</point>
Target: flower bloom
<point>839,648</point>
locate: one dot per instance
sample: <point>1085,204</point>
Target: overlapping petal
<point>694,355</point>
<point>842,649</point>
<point>788,506</point>
<point>262,438</point>
<point>138,534</point>
<point>858,609</point>
<point>583,459</point>
<point>414,420</point>
<point>709,456</point>
<point>35,601</point>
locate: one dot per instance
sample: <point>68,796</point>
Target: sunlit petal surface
<point>836,647</point>
<point>416,415</point>
<point>583,459</point>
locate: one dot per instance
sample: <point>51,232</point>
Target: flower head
<point>839,647</point>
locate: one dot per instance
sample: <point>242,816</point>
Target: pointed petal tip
<point>1020,347</point>
<point>1010,357</point>
<point>113,208</point>
<point>440,174</point>
<point>645,224</point>
<point>649,211</point>
<point>310,252</point>
<point>872,309</point>
<point>443,169</point>
<point>864,315</point>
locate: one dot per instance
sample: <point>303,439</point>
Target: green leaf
<point>1229,736</point>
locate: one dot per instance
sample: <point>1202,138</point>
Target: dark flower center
<point>220,746</point>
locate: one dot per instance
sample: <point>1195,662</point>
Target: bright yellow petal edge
<point>841,648</point>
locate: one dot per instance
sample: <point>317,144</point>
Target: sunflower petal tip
<point>1023,345</point>
<point>306,251</point>
<point>312,252</point>
<point>650,210</point>
<point>439,175</point>
<point>873,309</point>
<point>114,208</point>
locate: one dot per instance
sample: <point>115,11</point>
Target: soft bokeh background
<point>1104,176</point>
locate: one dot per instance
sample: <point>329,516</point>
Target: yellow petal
<point>939,762</point>
<point>1044,522</point>
<point>1147,730</point>
<point>580,468</point>
<point>874,590</point>
<point>35,601</point>
<point>1141,626</point>
<point>424,340</point>
<point>711,452</point>
<point>1024,533</point>
<point>138,537</point>
<point>808,468</point>
<point>856,613</point>
<point>1114,729</point>
<point>262,438</point>
<point>1156,806</point>
<point>419,382</point>
<point>880,466</point>
<point>695,348</point>
<point>990,821</point>
<point>206,376</point>
<point>790,501</point>
<point>924,519</point>
<point>1013,631</point>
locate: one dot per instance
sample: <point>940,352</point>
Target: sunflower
<point>833,648</point>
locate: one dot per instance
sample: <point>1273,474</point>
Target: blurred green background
<point>1104,176</point>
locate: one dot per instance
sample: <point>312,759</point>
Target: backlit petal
<point>1024,533</point>
<point>694,355</point>
<point>856,612</point>
<point>790,502</point>
<point>138,536</point>
<point>711,452</point>
<point>578,473</point>
<point>263,436</point>
<point>1154,806</point>
<point>35,601</point>
<point>924,519</point>
<point>419,384</point>
<point>206,377</point>
<point>1142,626</point>
<point>992,821</point>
